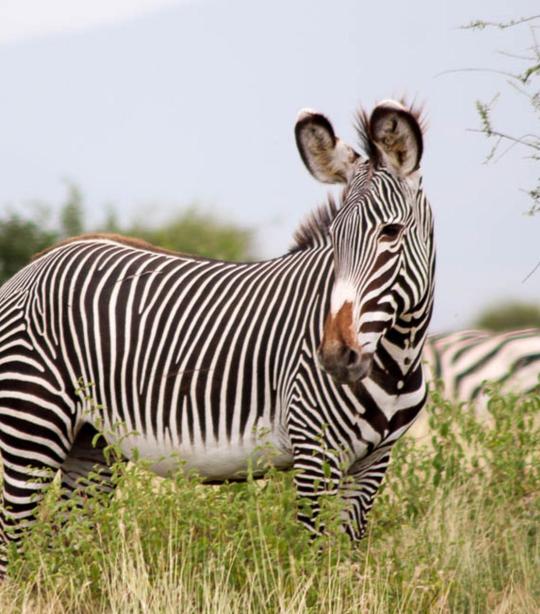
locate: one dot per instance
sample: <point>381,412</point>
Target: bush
<point>194,232</point>
<point>509,316</point>
<point>20,239</point>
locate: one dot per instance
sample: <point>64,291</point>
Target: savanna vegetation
<point>456,528</point>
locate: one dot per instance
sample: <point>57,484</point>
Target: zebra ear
<point>397,136</point>
<point>326,157</point>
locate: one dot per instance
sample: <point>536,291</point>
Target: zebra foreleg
<point>316,475</point>
<point>358,492</point>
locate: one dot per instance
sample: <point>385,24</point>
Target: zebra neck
<point>399,359</point>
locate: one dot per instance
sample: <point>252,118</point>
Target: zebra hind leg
<point>87,469</point>
<point>31,455</point>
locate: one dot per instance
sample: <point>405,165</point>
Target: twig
<point>481,25</point>
<point>532,272</point>
<point>492,70</point>
<point>515,56</point>
<point>511,146</point>
<point>517,140</point>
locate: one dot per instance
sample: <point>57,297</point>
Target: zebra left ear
<point>326,157</point>
<point>397,136</point>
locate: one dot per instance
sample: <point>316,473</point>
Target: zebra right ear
<point>326,157</point>
<point>397,135</point>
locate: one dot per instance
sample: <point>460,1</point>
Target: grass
<point>455,529</point>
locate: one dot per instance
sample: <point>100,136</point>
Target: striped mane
<point>314,229</point>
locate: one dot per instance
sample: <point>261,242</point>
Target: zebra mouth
<point>347,368</point>
<point>360,369</point>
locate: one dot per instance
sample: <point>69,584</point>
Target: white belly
<point>214,460</point>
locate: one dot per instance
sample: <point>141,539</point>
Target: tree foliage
<point>508,316</point>
<point>72,213</point>
<point>20,239</point>
<point>194,232</point>
<point>189,231</point>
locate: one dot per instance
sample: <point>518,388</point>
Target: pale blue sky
<point>153,105</point>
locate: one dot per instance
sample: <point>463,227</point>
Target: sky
<point>152,105</point>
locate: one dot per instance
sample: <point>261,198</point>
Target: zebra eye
<point>390,232</point>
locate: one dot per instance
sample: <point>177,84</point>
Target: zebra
<point>462,362</point>
<point>205,363</point>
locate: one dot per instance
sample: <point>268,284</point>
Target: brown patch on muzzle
<point>339,352</point>
<point>338,329</point>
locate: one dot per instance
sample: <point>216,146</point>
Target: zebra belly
<point>213,460</point>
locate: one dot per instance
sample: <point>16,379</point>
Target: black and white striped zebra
<point>462,363</point>
<point>205,362</point>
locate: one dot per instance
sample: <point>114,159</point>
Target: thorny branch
<point>502,25</point>
<point>523,83</point>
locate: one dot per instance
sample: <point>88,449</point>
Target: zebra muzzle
<point>339,353</point>
<point>344,364</point>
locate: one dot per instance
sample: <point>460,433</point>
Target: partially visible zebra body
<point>463,362</point>
<point>200,363</point>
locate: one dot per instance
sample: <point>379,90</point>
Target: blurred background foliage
<point>27,230</point>
<point>195,232</point>
<point>509,315</point>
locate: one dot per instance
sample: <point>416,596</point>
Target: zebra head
<point>381,237</point>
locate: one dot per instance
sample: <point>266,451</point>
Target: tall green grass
<point>454,529</point>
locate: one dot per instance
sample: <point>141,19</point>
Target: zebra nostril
<point>325,361</point>
<point>352,357</point>
<point>359,365</point>
<point>346,365</point>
